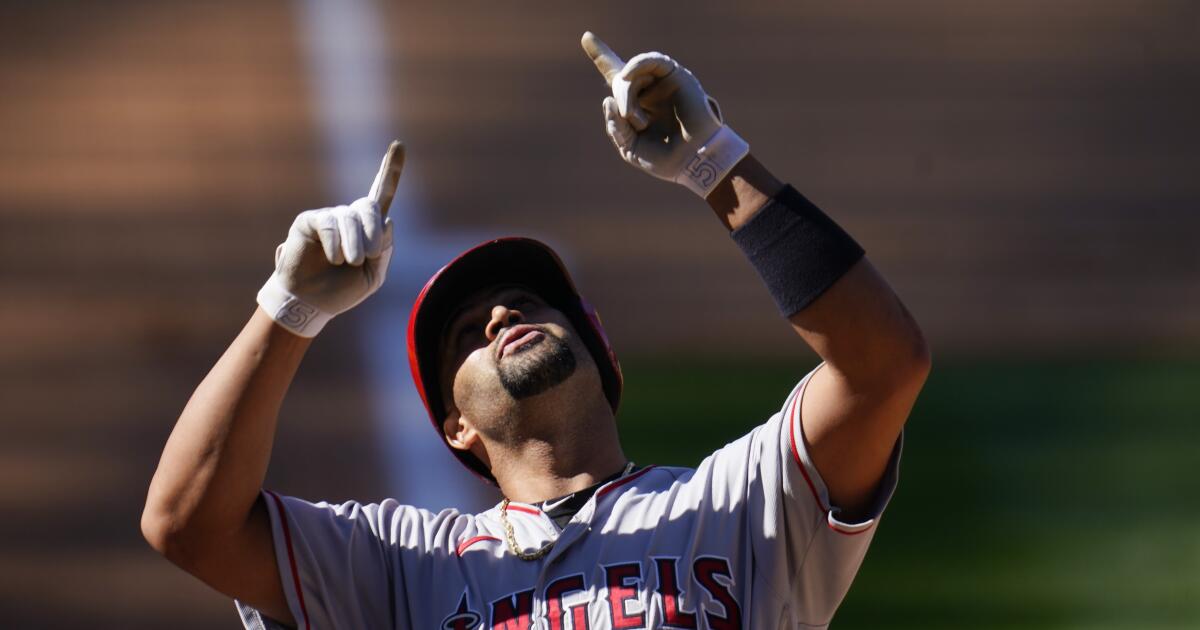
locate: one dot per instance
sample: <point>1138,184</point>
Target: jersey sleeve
<point>804,553</point>
<point>341,565</point>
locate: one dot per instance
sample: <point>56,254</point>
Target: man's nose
<point>502,317</point>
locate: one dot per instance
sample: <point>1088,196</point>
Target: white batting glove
<point>661,120</point>
<point>333,258</point>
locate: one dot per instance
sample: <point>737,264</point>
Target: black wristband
<point>797,250</point>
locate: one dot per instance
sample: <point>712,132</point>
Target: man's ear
<point>459,431</point>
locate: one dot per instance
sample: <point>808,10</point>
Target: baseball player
<point>520,382</point>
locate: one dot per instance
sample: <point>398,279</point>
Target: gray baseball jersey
<point>748,539</point>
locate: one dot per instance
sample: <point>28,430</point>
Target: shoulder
<point>387,520</point>
<point>648,479</point>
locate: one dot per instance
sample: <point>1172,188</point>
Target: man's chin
<point>537,369</point>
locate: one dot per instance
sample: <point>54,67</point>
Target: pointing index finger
<point>388,178</point>
<point>607,61</point>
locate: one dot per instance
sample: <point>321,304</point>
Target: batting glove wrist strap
<point>797,250</point>
<point>713,161</point>
<point>289,311</point>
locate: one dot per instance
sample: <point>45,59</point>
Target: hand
<point>661,120</point>
<point>333,258</point>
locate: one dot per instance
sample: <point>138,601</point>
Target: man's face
<point>503,346</point>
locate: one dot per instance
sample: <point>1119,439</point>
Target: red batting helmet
<point>508,260</point>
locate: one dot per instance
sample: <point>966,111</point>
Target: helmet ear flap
<point>606,357</point>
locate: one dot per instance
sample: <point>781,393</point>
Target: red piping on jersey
<point>521,508</point>
<point>844,532</point>
<point>796,452</point>
<point>620,482</point>
<point>792,421</point>
<point>287,539</point>
<point>462,546</point>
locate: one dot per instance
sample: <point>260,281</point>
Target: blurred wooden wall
<point>151,157</point>
<point>1024,172</point>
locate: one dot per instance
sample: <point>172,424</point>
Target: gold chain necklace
<point>511,538</point>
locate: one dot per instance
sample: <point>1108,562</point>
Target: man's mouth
<point>517,338</point>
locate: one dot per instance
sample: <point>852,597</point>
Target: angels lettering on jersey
<point>702,597</point>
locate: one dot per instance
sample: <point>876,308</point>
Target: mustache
<point>537,369</point>
<point>504,337</point>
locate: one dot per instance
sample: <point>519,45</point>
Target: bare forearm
<point>743,192</point>
<point>862,329</point>
<point>214,463</point>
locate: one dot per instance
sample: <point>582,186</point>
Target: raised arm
<point>876,359</point>
<point>662,122</point>
<point>203,510</point>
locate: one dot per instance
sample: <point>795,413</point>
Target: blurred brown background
<point>1025,173</point>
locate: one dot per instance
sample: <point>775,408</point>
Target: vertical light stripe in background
<point>351,80</point>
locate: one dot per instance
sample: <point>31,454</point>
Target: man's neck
<point>535,470</point>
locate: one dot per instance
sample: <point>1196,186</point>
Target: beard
<point>537,368</point>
